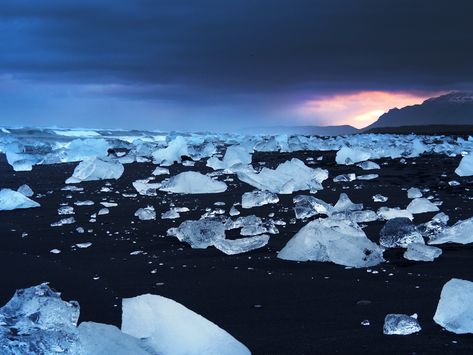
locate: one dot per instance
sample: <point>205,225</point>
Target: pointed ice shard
<point>12,200</point>
<point>242,245</point>
<point>258,198</point>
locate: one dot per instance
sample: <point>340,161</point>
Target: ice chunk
<point>12,200</point>
<point>401,324</point>
<point>368,165</point>
<point>65,210</point>
<point>169,328</point>
<point>63,221</point>
<point>387,213</point>
<point>433,227</point>
<point>461,232</point>
<point>233,211</point>
<point>368,177</point>
<point>199,234</point>
<point>172,153</point>
<point>104,339</point>
<point>348,156</point>
<point>344,178</point>
<point>25,190</point>
<point>160,171</point>
<point>344,204</point>
<point>145,188</point>
<point>252,225</point>
<point>399,233</point>
<point>465,168</point>
<point>421,205</point>
<point>258,198</point>
<point>293,175</point>
<point>242,245</point>
<point>379,198</point>
<point>96,169</point>
<point>146,214</point>
<point>192,182</point>
<point>103,211</point>
<point>340,241</point>
<point>37,321</point>
<point>235,156</point>
<point>414,192</point>
<point>455,308</point>
<point>307,206</point>
<point>422,252</point>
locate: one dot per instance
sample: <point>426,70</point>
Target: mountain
<point>455,108</point>
<point>305,130</point>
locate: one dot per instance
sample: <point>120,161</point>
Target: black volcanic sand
<point>272,306</point>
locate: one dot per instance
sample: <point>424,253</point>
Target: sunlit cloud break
<point>358,109</point>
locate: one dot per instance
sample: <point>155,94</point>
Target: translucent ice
<point>169,328</point>
<point>455,308</point>
<point>422,252</point>
<point>172,153</point>
<point>199,234</point>
<point>242,245</point>
<point>252,225</point>
<point>37,321</point>
<point>160,171</point>
<point>387,213</point>
<point>340,241</point>
<point>293,175</point>
<point>146,214</point>
<point>421,205</point>
<point>433,227</point>
<point>414,192</point>
<point>399,233</point>
<point>379,198</point>
<point>344,204</point>
<point>465,168</point>
<point>461,232</point>
<point>349,156</point>
<point>192,182</point>
<point>25,190</point>
<point>368,165</point>
<point>146,188</point>
<point>344,178</point>
<point>96,169</point>
<point>235,156</point>
<point>307,206</point>
<point>367,177</point>
<point>12,200</point>
<point>258,198</point>
<point>401,324</point>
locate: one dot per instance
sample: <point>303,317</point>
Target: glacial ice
<point>288,177</point>
<point>258,198</point>
<point>25,190</point>
<point>105,339</point>
<point>146,214</point>
<point>37,321</point>
<point>12,200</point>
<point>146,188</point>
<point>340,241</point>
<point>461,232</point>
<point>172,153</point>
<point>96,169</point>
<point>414,192</point>
<point>455,308</point>
<point>421,205</point>
<point>465,168</point>
<point>379,198</point>
<point>368,165</point>
<point>422,252</point>
<point>169,328</point>
<point>307,206</point>
<point>160,171</point>
<point>433,227</point>
<point>349,156</point>
<point>367,177</point>
<point>388,213</point>
<point>234,157</point>
<point>399,233</point>
<point>199,234</point>
<point>252,225</point>
<point>344,204</point>
<point>242,245</point>
<point>192,182</point>
<point>344,178</point>
<point>401,324</point>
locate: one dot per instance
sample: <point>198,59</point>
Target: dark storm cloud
<point>242,45</point>
<point>239,54</point>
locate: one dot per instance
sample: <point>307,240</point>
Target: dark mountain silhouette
<point>455,108</point>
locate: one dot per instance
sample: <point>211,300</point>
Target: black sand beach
<point>271,305</point>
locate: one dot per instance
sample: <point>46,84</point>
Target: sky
<point>227,65</point>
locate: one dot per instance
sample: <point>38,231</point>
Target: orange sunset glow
<point>356,109</point>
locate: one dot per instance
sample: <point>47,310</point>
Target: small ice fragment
<point>146,214</point>
<point>55,251</point>
<point>160,171</point>
<point>400,324</point>
<point>12,200</point>
<point>368,165</point>
<point>379,198</point>
<point>344,177</point>
<point>83,245</point>
<point>367,177</point>
<point>63,221</point>
<point>421,252</point>
<point>65,210</point>
<point>234,211</point>
<point>421,205</point>
<point>25,190</point>
<point>414,192</point>
<point>192,182</point>
<point>103,211</point>
<point>258,198</point>
<point>242,245</point>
